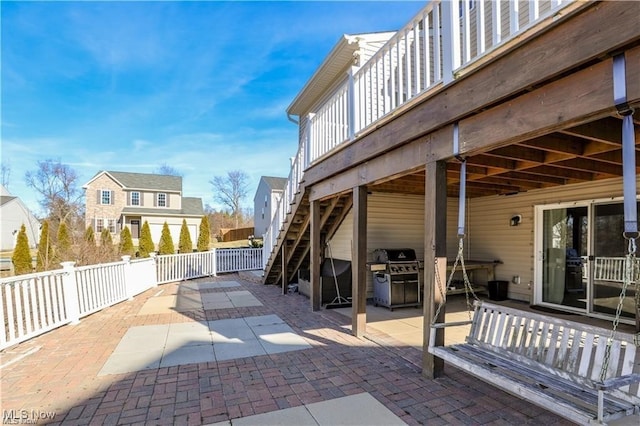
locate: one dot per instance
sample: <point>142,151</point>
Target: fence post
<point>155,268</point>
<point>215,262</point>
<point>70,290</point>
<point>128,276</point>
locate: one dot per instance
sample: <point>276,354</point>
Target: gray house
<point>268,194</point>
<point>14,214</point>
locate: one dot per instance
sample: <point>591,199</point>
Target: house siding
<point>397,221</point>
<point>491,237</point>
<point>95,210</point>
<point>14,214</point>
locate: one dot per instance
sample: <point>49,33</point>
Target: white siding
<point>491,237</point>
<point>397,221</point>
<point>394,221</point>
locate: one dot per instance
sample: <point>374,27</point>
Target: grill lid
<point>394,255</point>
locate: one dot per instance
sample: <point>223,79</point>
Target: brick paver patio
<point>59,371</point>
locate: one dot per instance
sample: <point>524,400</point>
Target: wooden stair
<point>295,234</point>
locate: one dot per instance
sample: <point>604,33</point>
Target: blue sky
<point>201,86</point>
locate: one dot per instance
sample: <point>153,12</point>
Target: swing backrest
<point>568,349</point>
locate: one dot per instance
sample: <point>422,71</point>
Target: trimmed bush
<point>21,257</point>
<point>204,236</point>
<point>90,236</point>
<point>185,245</point>
<point>106,249</point>
<point>63,247</point>
<point>126,243</point>
<point>44,258</point>
<point>166,242</point>
<point>145,244</point>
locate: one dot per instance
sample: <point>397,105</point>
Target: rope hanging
<point>629,194</point>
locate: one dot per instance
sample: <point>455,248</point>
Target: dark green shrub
<point>204,236</point>
<point>44,259</point>
<point>126,243</point>
<point>166,242</point>
<point>63,247</point>
<point>145,244</point>
<point>185,245</point>
<point>21,257</point>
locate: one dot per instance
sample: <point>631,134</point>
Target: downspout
<point>291,119</point>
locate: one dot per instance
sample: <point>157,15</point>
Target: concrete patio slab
<point>126,362</point>
<point>219,284</point>
<point>360,409</point>
<point>188,302</point>
<point>357,410</point>
<point>188,354</point>
<point>158,305</point>
<point>296,416</point>
<point>242,349</point>
<point>153,346</point>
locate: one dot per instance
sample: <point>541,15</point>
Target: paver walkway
<point>67,371</point>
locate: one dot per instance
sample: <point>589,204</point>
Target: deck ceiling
<point>584,153</point>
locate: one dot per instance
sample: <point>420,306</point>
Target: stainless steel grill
<point>396,278</point>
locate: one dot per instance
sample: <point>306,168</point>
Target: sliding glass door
<point>564,234</point>
<point>580,258</point>
<point>609,250</point>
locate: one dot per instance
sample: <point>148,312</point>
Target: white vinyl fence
<point>33,304</point>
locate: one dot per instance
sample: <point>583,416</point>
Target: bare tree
<point>57,185</point>
<point>166,169</point>
<point>230,190</point>
<point>5,174</point>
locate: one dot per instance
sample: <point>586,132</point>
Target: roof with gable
<point>146,181</point>
<point>275,183</point>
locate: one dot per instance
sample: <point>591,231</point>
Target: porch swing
<point>583,373</point>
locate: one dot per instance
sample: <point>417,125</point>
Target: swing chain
<point>629,276</point>
<point>442,294</point>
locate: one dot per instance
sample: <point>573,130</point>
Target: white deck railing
<point>444,40</point>
<point>33,304</point>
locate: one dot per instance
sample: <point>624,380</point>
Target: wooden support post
<point>359,262</point>
<point>316,253</point>
<point>435,260</point>
<point>283,255</point>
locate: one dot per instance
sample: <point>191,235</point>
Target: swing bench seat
<point>550,362</point>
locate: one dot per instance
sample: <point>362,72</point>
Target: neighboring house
<point>13,214</point>
<point>118,199</point>
<point>265,202</point>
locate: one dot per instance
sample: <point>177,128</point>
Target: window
<point>99,225</point>
<point>162,200</point>
<point>112,226</point>
<point>263,213</point>
<point>135,198</point>
<point>266,199</point>
<point>105,196</point>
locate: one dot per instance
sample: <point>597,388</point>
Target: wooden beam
<point>564,103</point>
<point>435,260</point>
<point>359,262</point>
<point>398,161</point>
<point>316,256</point>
